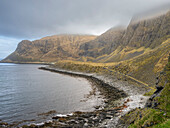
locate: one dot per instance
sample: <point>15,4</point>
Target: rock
<point>33,126</point>
<point>102,116</point>
<point>80,118</point>
<point>108,117</point>
<point>55,117</point>
<point>85,115</point>
<point>62,119</point>
<point>86,120</point>
<point>90,121</point>
<point>76,126</point>
<point>3,123</point>
<point>78,113</point>
<point>97,107</point>
<point>85,124</point>
<point>96,120</point>
<point>71,121</point>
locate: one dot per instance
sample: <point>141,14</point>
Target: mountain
<point>103,44</point>
<point>147,66</point>
<point>156,112</point>
<point>115,45</point>
<point>140,51</point>
<point>122,44</point>
<point>49,49</point>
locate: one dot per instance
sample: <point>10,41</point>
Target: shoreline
<point>119,106</point>
<point>104,88</point>
<point>118,102</point>
<point>42,63</point>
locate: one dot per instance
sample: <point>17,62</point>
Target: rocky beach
<point>119,100</point>
<point>85,64</point>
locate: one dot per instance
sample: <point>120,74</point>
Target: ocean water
<point>26,92</point>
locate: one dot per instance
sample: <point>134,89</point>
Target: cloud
<point>7,46</point>
<point>28,19</point>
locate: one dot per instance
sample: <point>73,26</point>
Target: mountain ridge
<point>140,51</point>
<point>146,33</point>
<point>47,49</point>
<point>116,44</point>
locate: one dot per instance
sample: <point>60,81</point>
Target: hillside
<point>137,54</point>
<point>146,66</point>
<point>122,44</point>
<point>116,44</point>
<point>49,49</point>
<point>103,44</point>
<point>156,113</point>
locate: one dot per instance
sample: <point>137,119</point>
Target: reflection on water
<point>26,92</point>
<point>7,64</point>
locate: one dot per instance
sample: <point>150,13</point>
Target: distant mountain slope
<point>148,65</point>
<point>115,45</point>
<point>49,49</point>
<point>122,44</point>
<point>103,44</point>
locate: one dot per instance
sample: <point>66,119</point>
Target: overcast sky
<point>33,19</point>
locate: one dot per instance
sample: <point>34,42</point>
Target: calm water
<point>26,92</point>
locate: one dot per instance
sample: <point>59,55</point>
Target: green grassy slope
<point>158,115</point>
<point>119,44</point>
<point>146,66</point>
<point>49,49</point>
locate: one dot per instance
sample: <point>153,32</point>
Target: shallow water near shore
<point>28,93</point>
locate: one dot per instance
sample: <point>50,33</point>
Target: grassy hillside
<point>118,44</point>
<point>88,67</point>
<point>139,51</point>
<point>49,49</point>
<point>115,45</point>
<point>158,114</point>
<point>146,66</point>
<point>103,44</point>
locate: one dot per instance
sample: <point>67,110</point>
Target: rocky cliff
<point>49,49</point>
<point>156,113</point>
<point>116,44</point>
<point>122,44</point>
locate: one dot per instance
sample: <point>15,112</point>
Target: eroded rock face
<point>119,41</point>
<point>49,49</point>
<point>147,33</point>
<point>103,44</point>
<point>152,103</point>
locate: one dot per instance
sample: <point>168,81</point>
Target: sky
<point>33,19</point>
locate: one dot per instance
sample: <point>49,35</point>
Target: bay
<point>26,92</point>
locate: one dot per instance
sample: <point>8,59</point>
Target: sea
<point>30,95</point>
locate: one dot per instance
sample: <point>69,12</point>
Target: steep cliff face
<point>103,44</point>
<point>147,33</point>
<point>49,49</point>
<point>119,44</point>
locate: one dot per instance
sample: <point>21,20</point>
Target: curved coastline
<point>105,88</point>
<point>124,99</point>
<point>118,101</point>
